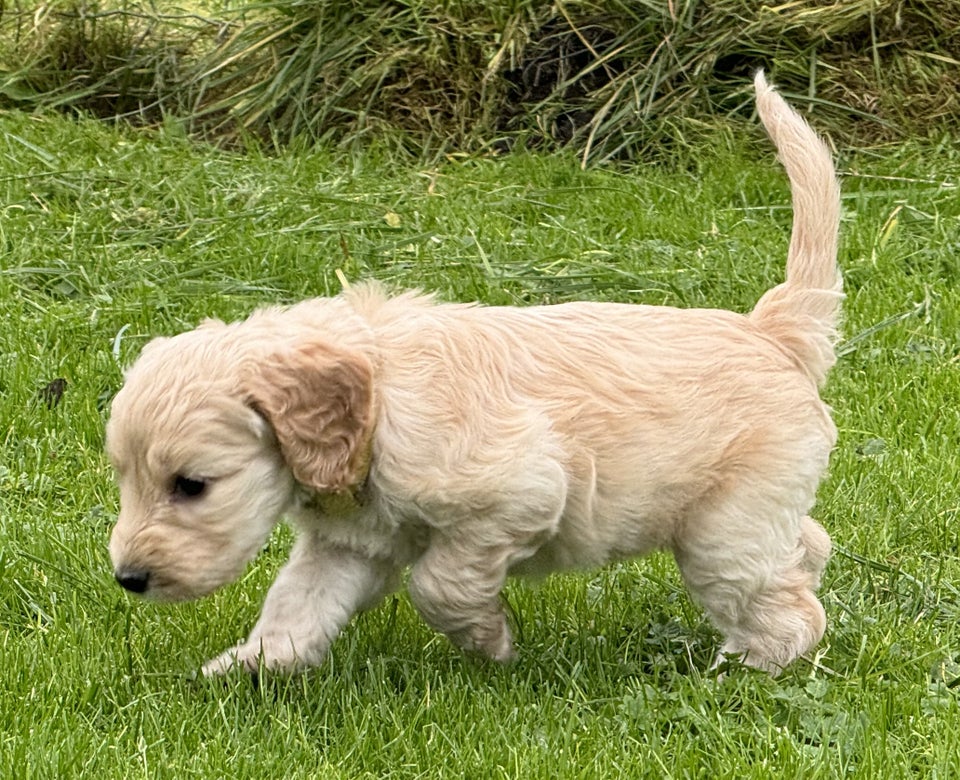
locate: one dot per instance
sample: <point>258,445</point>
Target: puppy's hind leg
<point>817,546</point>
<point>314,596</point>
<point>755,576</point>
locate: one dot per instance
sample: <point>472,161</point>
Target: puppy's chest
<point>362,523</point>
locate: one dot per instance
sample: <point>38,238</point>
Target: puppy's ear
<point>320,403</point>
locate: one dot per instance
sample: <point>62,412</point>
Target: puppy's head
<point>209,436</point>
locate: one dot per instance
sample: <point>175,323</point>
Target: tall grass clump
<point>610,78</point>
<point>122,60</point>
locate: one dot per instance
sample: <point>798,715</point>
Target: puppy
<point>467,443</point>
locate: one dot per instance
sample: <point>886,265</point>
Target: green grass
<point>108,237</point>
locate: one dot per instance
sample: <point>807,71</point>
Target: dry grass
<point>612,78</point>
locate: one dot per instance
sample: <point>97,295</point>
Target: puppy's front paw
<point>275,653</point>
<point>234,658</point>
<point>491,639</point>
<point>500,648</point>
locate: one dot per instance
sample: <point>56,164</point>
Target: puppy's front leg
<point>456,588</point>
<point>314,596</point>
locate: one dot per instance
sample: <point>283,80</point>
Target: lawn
<point>111,236</point>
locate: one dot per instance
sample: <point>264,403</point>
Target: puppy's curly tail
<point>802,313</point>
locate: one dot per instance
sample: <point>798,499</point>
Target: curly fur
<point>471,443</point>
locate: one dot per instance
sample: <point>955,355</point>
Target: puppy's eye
<point>184,487</point>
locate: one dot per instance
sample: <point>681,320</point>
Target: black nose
<point>134,581</point>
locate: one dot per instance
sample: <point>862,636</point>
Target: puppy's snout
<point>134,581</point>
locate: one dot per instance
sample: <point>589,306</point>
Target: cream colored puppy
<point>471,443</point>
